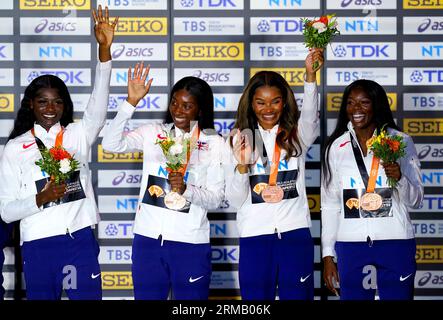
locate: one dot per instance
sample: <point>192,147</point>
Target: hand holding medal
<point>273,193</point>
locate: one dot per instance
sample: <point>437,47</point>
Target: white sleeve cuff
<point>328,251</point>
<point>127,108</point>
<point>104,65</point>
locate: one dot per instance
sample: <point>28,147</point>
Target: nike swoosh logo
<point>403,279</point>
<point>343,144</point>
<point>304,279</point>
<point>93,276</point>
<point>26,146</point>
<point>193,280</point>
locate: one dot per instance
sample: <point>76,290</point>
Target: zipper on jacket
<point>69,232</point>
<point>369,241</point>
<point>160,237</point>
<point>278,233</point>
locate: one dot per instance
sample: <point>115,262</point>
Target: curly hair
<point>25,116</point>
<point>246,118</point>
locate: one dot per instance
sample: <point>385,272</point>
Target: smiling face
<point>267,104</point>
<point>48,107</point>
<point>360,110</point>
<point>184,109</point>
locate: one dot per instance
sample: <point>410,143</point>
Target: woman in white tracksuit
<point>366,236</point>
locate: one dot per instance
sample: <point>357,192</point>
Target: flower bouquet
<point>58,163</point>
<point>319,33</point>
<point>388,148</point>
<point>175,150</point>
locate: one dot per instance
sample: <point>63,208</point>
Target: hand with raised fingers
<point>104,32</point>
<point>313,63</point>
<point>137,85</point>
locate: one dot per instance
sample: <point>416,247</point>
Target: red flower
<point>394,145</point>
<point>159,136</point>
<point>59,153</point>
<point>324,19</point>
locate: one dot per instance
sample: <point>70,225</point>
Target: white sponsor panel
<point>7,5</point>
<point>344,76</point>
<point>139,51</point>
<point>55,51</point>
<point>225,206</point>
<point>312,177</point>
<point>224,280</point>
<point>225,254</point>
<point>317,251</point>
<point>132,124</point>
<point>224,126</point>
<point>284,4</point>
<point>213,76</point>
<point>423,76</point>
<point>119,77</point>
<point>80,77</point>
<point>331,123</point>
<point>6,77</point>
<point>423,25</point>
<point>367,25</point>
<point>361,4</point>
<point>7,28</point>
<point>276,25</point>
<point>268,51</point>
<point>134,4</point>
<point>6,127</point>
<point>55,26</point>
<point>362,51</point>
<point>115,255</point>
<point>226,101</point>
<point>423,101</point>
<point>422,51</point>
<point>315,229</point>
<point>432,177</point>
<point>431,152</point>
<point>119,178</point>
<point>223,229</point>
<point>213,26</point>
<point>6,51</point>
<point>80,101</point>
<point>117,204</point>
<point>431,203</point>
<point>208,4</point>
<point>115,229</point>
<point>431,279</point>
<point>313,154</point>
<point>151,102</point>
<point>428,228</point>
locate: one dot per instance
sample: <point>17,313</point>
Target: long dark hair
<point>246,119</point>
<point>382,116</point>
<point>202,92</point>
<point>25,116</point>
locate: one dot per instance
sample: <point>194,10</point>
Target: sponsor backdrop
<point>396,43</point>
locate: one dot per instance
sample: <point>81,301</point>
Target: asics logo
<point>404,278</point>
<point>305,278</point>
<point>93,276</point>
<point>26,146</point>
<point>191,280</point>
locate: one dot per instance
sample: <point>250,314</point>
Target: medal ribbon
<point>369,181</point>
<point>275,163</point>
<point>58,139</point>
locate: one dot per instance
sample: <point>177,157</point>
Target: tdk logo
<point>69,77</point>
<point>148,102</point>
<point>279,25</point>
<point>418,76</point>
<point>208,3</point>
<point>429,24</point>
<point>55,52</point>
<point>364,51</point>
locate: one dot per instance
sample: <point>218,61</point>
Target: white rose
<point>320,26</point>
<point>187,135</point>
<point>65,166</point>
<point>176,149</point>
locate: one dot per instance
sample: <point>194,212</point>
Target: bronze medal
<point>272,194</point>
<point>174,201</point>
<point>371,201</point>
